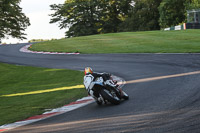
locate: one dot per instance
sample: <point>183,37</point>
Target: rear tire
<point>99,102</point>
<point>107,96</point>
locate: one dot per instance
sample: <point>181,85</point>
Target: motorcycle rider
<point>91,76</point>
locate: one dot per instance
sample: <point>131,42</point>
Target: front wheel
<point>110,97</point>
<point>125,96</point>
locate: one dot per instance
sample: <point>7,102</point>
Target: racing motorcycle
<point>107,93</point>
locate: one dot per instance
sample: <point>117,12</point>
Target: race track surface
<point>162,105</point>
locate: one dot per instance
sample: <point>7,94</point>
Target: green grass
<point>185,41</point>
<point>19,79</point>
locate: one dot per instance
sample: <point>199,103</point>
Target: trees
<point>82,17</point>
<point>12,21</point>
<point>193,4</point>
<point>87,17</point>
<point>115,12</point>
<point>144,16</point>
<point>172,12</point>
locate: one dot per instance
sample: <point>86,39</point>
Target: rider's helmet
<point>88,70</point>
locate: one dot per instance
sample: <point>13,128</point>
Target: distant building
<point>193,19</point>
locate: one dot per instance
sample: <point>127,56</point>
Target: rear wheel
<point>110,96</point>
<point>99,102</point>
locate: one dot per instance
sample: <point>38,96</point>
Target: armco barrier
<point>184,26</point>
<point>178,27</point>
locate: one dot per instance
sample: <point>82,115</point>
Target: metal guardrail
<point>184,26</point>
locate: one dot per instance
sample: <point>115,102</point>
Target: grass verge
<point>185,41</point>
<point>22,79</point>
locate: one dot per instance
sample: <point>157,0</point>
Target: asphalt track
<point>160,105</point>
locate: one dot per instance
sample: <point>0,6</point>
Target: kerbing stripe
<point>25,50</point>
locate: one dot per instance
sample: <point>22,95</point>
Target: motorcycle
<point>107,93</point>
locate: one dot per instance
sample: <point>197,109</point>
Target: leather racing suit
<point>104,77</point>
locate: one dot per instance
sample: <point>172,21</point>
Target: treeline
<point>13,21</point>
<point>88,17</point>
<point>41,40</point>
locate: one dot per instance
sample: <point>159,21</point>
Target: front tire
<point>109,97</point>
<point>125,96</point>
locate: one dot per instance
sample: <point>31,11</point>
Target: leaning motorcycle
<point>108,94</point>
